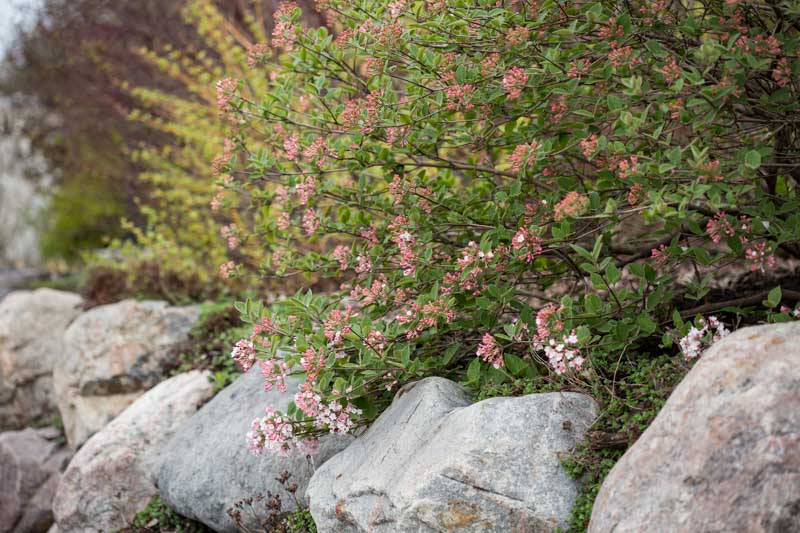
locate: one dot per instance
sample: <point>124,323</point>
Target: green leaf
<point>774,297</point>
<point>752,159</point>
<point>474,370</point>
<point>515,364</point>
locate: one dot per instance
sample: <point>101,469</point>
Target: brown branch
<point>744,301</point>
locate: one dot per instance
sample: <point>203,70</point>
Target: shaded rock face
<point>108,481</point>
<point>435,461</point>
<point>207,467</point>
<point>113,353</point>
<point>31,461</point>
<point>32,324</point>
<point>724,452</point>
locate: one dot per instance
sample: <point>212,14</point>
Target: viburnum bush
<point>509,191</point>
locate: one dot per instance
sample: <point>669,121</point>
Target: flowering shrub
<point>516,190</point>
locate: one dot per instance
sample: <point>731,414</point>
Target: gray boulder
<point>435,461</point>
<point>108,481</point>
<point>207,467</point>
<point>724,452</point>
<point>113,354</point>
<point>32,324</point>
<point>31,462</point>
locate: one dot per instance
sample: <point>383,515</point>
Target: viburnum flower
<point>226,270</point>
<point>257,54</point>
<point>273,433</point>
<point>244,353</point>
<point>589,145</point>
<point>523,156</point>
<point>782,73</point>
<point>274,371</point>
<point>517,35</point>
<point>305,190</point>
<point>573,205</point>
<point>760,257</point>
<point>337,325</point>
<point>283,32</point>
<point>693,344</point>
<point>310,222</point>
<point>527,242</point>
<point>489,351</point>
<point>292,147</point>
<point>564,354</point>
<point>460,97</point>
<point>226,89</point>
<point>514,82</point>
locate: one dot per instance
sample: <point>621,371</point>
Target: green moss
<point>300,521</point>
<point>157,517</point>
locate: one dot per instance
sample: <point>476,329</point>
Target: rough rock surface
<point>207,467</point>
<point>113,353</point>
<point>108,481</point>
<point>724,452</point>
<point>31,461</point>
<point>32,325</point>
<point>435,461</point>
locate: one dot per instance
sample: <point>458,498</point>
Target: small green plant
<point>301,521</point>
<point>264,512</point>
<point>210,342</point>
<point>157,517</point>
<point>629,401</point>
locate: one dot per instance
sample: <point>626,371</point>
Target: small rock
<point>108,481</point>
<point>32,325</point>
<point>207,467</point>
<point>30,467</point>
<point>113,354</point>
<point>724,452</point>
<point>435,461</point>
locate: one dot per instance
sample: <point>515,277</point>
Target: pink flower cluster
<point>226,270</point>
<point>405,242</point>
<point>244,353</point>
<point>425,316</point>
<point>514,82</point>
<point>310,222</point>
<point>306,189</point>
<point>460,97</point>
<point>528,243</point>
<point>274,371</point>
<point>229,234</point>
<point>760,257</point>
<point>489,351</point>
<point>473,262</point>
<point>226,89</point>
<point>710,171</point>
<point>338,325</point>
<point>573,205</point>
<point>589,145</point>
<point>283,32</point>
<point>523,156</point>
<point>517,35</point>
<point>273,433</point>
<point>693,343</point>
<point>564,354</point>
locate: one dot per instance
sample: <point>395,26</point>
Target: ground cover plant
<point>520,196</point>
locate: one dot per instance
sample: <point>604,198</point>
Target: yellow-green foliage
<point>182,233</point>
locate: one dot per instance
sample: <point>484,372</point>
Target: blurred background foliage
<point>129,87</point>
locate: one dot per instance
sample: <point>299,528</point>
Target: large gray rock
<point>434,461</point>
<point>31,461</point>
<point>724,452</point>
<point>207,466</point>
<point>32,324</point>
<point>113,354</point>
<point>108,481</point>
